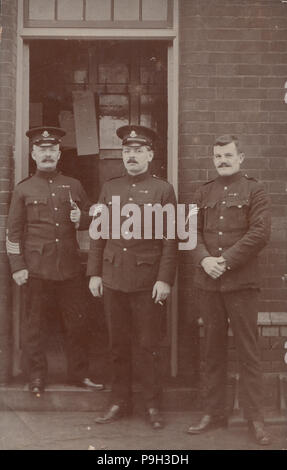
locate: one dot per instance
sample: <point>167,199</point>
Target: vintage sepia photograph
<point>143,228</point>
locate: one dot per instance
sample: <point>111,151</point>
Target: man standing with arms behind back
<point>135,276</point>
<point>233,227</point>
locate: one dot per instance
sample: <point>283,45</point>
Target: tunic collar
<point>228,179</point>
<point>47,174</point>
<point>137,178</point>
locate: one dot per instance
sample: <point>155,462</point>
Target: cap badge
<point>46,134</point>
<point>133,134</point>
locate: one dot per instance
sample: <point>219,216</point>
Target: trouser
<point>241,307</point>
<point>69,298</point>
<point>134,314</point>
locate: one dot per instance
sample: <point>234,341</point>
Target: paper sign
<point>85,123</point>
<point>66,120</point>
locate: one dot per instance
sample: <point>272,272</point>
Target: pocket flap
<point>237,203</point>
<point>109,256</point>
<point>35,200</point>
<point>147,259</point>
<point>207,204</point>
<point>34,246</point>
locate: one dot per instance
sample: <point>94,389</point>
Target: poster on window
<point>114,113</point>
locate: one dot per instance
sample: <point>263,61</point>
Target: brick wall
<point>233,69</point>
<point>7,123</point>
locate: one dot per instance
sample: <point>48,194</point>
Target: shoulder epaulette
<point>25,179</point>
<point>160,178</point>
<point>250,177</point>
<point>114,178</point>
<point>207,182</point>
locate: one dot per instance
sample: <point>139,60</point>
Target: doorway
<point>125,83</point>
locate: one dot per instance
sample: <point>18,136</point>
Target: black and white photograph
<point>143,228</point>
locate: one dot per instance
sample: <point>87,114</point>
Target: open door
<point>126,83</point>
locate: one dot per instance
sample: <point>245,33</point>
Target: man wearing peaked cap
<point>45,136</point>
<point>135,276</point>
<point>45,212</point>
<point>136,135</point>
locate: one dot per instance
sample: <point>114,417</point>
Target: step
<point>176,397</point>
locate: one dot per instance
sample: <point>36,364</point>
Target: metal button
<point>57,225</point>
<point>55,208</point>
<point>130,199</point>
<point>57,239</point>
<point>125,249</point>
<point>50,181</point>
<point>133,185</point>
<point>223,202</point>
<point>228,267</point>
<point>53,194</point>
<point>225,187</point>
<point>35,202</point>
<point>240,206</point>
<point>221,217</point>
<point>220,233</point>
<point>220,249</point>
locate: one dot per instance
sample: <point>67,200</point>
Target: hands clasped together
<point>214,266</point>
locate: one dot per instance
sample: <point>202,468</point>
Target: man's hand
<point>214,266</point>
<point>21,277</point>
<point>96,286</point>
<point>75,216</point>
<point>160,291</point>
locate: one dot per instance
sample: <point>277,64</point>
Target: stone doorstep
<point>175,398</point>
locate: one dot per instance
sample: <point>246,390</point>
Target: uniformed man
<point>45,211</point>
<point>135,275</point>
<point>233,227</point>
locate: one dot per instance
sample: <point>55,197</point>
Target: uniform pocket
<point>238,209</point>
<point>33,252</point>
<point>37,208</point>
<point>108,266</point>
<point>146,270</point>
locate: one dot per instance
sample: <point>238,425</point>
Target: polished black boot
<point>259,433</point>
<point>208,422</point>
<point>155,418</point>
<point>114,413</point>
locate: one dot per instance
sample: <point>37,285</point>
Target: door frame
<point>22,113</point>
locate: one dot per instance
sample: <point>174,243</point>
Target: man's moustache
<point>224,165</point>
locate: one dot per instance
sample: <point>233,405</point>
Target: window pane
<point>70,9</point>
<point>41,9</point>
<point>154,10</point>
<point>113,73</point>
<point>98,10</point>
<point>126,10</point>
<point>114,113</point>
